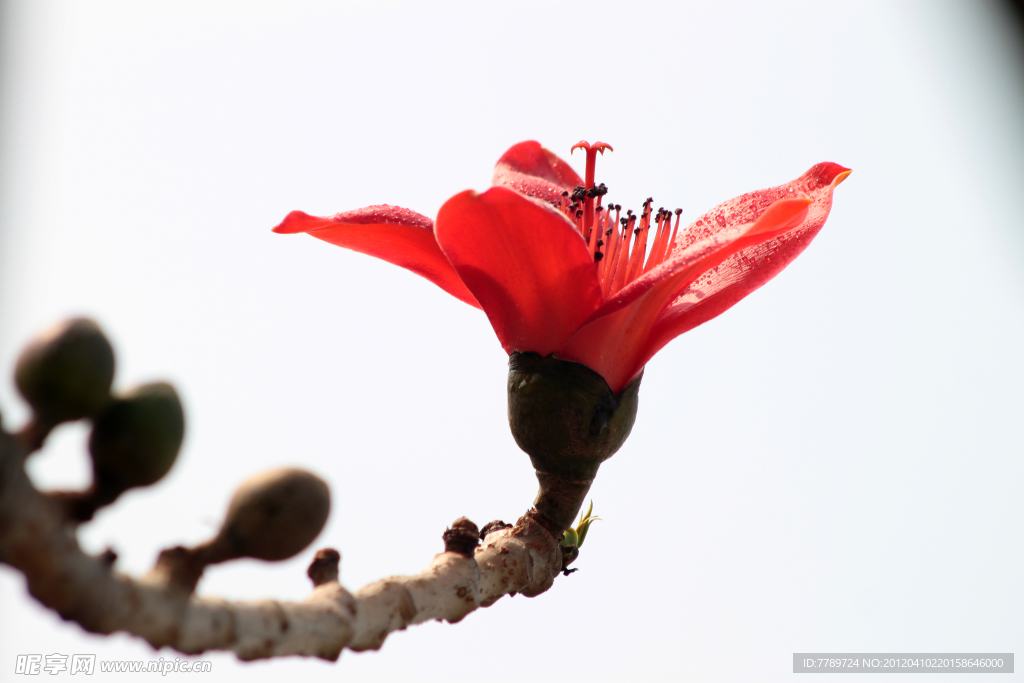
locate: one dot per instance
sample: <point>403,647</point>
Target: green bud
<point>65,373</point>
<point>570,538</point>
<point>586,519</point>
<point>564,415</point>
<point>136,439</point>
<point>273,516</point>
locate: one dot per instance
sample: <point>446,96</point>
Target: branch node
<point>178,568</point>
<point>462,538</point>
<point>324,567</point>
<point>490,527</point>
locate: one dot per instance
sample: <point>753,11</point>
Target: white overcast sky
<point>834,465</point>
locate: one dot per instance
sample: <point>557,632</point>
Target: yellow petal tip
<point>840,178</point>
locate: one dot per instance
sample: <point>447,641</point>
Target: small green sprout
<point>584,524</point>
<point>572,539</point>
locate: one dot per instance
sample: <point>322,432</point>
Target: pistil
<point>588,203</point>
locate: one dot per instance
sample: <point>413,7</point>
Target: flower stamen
<point>622,247</point>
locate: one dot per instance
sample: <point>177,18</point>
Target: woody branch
<point>66,374</point>
<point>38,539</point>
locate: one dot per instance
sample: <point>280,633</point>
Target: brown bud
<point>136,439</point>
<point>272,516</point>
<point>462,538</point>
<point>65,373</point>
<point>569,555</point>
<point>324,567</point>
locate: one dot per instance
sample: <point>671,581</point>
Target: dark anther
<point>599,208</point>
<point>637,231</point>
<point>618,207</point>
<point>579,193</point>
<point>598,256</point>
<point>629,212</point>
<point>579,212</point>
<point>574,206</point>
<point>565,193</point>
<point>462,538</point>
<point>623,221</point>
<point>678,211</point>
<point>599,191</point>
<point>324,567</point>
<point>600,243</point>
<point>490,527</point>
<point>608,232</point>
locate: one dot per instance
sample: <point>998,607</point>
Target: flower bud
<point>65,373</point>
<point>136,439</point>
<point>272,516</point>
<point>564,415</point>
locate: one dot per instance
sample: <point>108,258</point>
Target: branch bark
<point>37,539</point>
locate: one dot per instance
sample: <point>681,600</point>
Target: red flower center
<point>620,259</point>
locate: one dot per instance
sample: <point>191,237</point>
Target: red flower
<point>556,272</point>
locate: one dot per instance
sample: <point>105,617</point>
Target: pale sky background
<point>834,465</point>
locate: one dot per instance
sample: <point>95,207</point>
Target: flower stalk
<point>567,419</point>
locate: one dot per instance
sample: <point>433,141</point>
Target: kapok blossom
<point>559,272</point>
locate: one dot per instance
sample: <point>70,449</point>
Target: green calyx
<point>565,416</point>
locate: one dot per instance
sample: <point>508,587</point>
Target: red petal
<point>534,171</point>
<point>614,342</point>
<point>749,269</point>
<point>526,264</point>
<point>396,235</point>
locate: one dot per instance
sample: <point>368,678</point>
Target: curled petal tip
<point>826,174</point>
<point>293,223</point>
<point>601,147</point>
